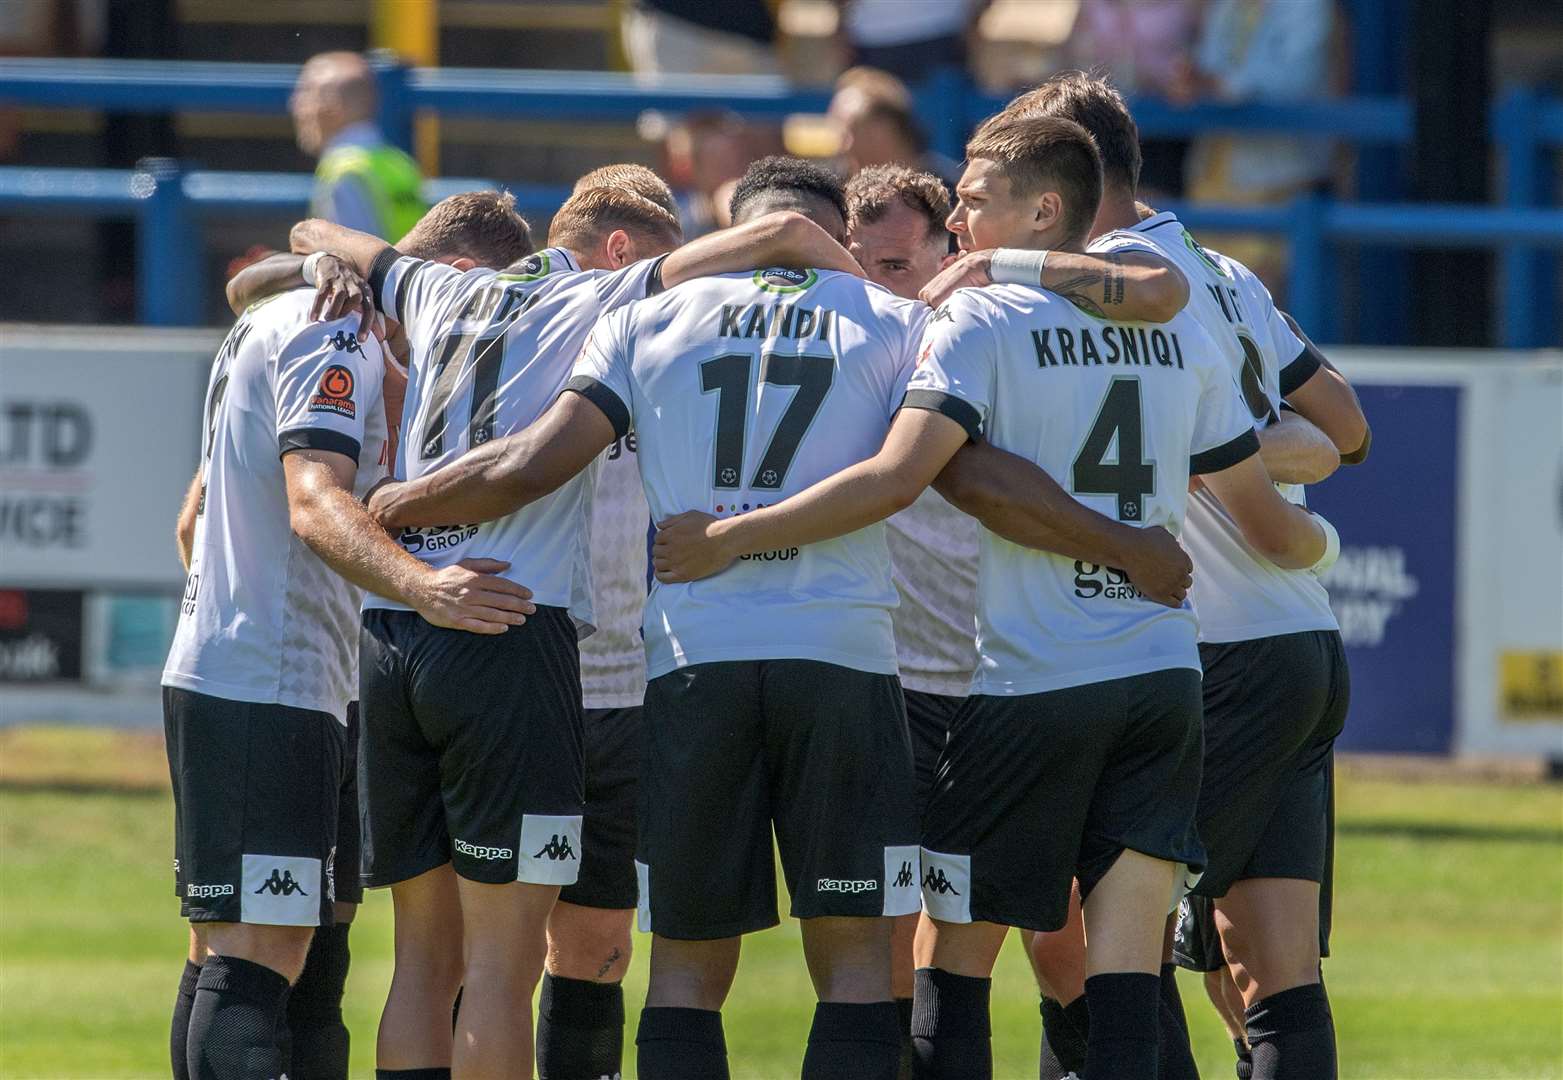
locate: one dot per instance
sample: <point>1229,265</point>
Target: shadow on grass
<point>46,786</point>
<point>1432,830</point>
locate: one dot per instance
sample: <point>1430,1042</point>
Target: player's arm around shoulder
<point>1134,284</point>
<point>1296,452</point>
<point>785,238</point>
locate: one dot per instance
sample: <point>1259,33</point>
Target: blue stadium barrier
<point>1527,128</point>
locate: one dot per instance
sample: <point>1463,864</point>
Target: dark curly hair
<point>790,174</point>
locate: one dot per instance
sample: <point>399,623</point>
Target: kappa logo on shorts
<point>902,896</point>
<point>947,886</point>
<point>280,883</point>
<point>335,394</point>
<point>846,885</point>
<point>479,851</point>
<point>558,847</point>
<point>331,875</point>
<point>935,881</point>
<point>196,892</point>
<point>548,848</point>
<point>280,890</point>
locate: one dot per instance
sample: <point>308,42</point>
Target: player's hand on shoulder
<point>688,548</point>
<point>339,292</point>
<point>470,596</point>
<point>969,270</point>
<point>1159,567</point>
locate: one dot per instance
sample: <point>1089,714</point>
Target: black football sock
<point>903,1008</point>
<point>1063,1046</point>
<point>681,1044</point>
<point>853,1042</point>
<point>412,1074</point>
<point>1124,1008</point>
<point>580,1029</point>
<point>1245,1060</point>
<point>233,1023</point>
<point>951,1036</point>
<point>1174,1056</point>
<point>1292,1035</point>
<point>179,1031</point>
<point>1078,1012</point>
<point>314,1014</point>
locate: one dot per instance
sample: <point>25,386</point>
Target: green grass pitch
<point>1448,944</point>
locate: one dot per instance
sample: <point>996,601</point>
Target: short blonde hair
<point>629,176</point>
<point>588,216</point>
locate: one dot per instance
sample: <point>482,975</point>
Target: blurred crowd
<point>1176,50</point>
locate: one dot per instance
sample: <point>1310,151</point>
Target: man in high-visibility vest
<point>362,181</point>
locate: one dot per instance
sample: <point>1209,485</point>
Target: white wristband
<point>1017,266</point>
<point>1331,546</point>
<point>308,270</point>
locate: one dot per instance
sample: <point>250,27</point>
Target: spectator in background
<point>704,154</point>
<point>873,114</point>
<point>909,40</point>
<point>1144,47</point>
<point>704,37</point>
<point>362,181</point>
<point>1259,50</point>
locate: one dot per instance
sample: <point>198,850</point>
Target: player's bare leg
<point>1228,1003</point>
<point>951,1034</point>
<point>588,954</point>
<point>1125,926</point>
<point>1270,936</point>
<point>680,1035</point>
<point>1058,962</point>
<point>415,1026</point>
<point>857,1029</point>
<point>504,945</point>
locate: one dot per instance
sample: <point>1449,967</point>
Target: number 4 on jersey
<point>1130,477</point>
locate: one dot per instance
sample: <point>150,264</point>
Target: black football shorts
<point>928,720</point>
<point>1037,790</point>
<point>472,750</point>
<point>1273,707</point>
<point>736,748</point>
<point>256,802</point>
<point>607,878</point>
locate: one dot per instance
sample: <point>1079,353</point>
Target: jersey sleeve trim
<point>314,438</point>
<point>602,396</point>
<point>1301,369</point>
<point>378,271</point>
<point>961,411</point>
<point>654,283</point>
<point>1226,455</point>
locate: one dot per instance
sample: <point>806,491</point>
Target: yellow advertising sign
<point>1530,685</point>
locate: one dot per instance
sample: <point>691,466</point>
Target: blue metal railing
<point>167,203</point>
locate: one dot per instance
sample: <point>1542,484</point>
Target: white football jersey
<point>743,390</point>
<point>490,352</point>
<point>262,618</point>
<point>613,660</point>
<point>1120,414</point>
<point>1238,594</point>
<point>934,550</point>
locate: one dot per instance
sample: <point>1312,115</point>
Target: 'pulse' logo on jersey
<point>935,881</point>
<point>336,392</point>
<point>281,883</point>
<point>558,847</point>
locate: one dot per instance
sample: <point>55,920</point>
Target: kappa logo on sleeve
<point>345,340</point>
<point>335,394</point>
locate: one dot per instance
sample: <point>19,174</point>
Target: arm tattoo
<point>1112,281</point>
<point>1077,291</point>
